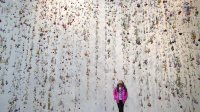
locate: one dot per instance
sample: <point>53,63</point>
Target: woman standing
<point>120,95</point>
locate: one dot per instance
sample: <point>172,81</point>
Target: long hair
<point>122,85</point>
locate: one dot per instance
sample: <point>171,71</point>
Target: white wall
<point>67,55</point>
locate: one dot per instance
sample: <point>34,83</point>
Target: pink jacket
<point>124,95</point>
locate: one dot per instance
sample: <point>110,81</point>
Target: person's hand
<point>124,102</point>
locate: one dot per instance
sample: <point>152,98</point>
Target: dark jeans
<point>120,106</point>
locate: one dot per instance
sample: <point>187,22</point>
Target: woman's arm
<point>115,94</point>
<point>126,94</point>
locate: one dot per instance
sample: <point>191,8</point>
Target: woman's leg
<point>120,106</point>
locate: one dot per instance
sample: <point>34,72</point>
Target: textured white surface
<point>67,55</point>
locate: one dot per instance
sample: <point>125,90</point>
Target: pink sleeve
<point>126,94</point>
<point>115,93</point>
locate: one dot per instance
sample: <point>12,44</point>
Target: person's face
<point>120,84</point>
